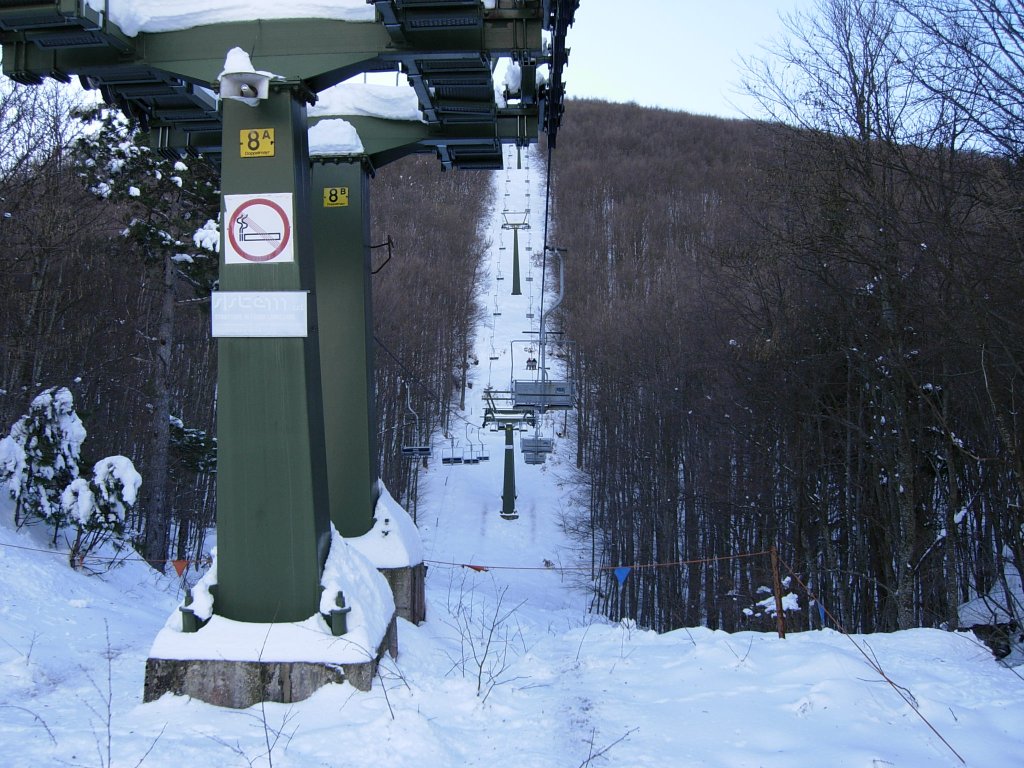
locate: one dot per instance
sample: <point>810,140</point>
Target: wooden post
<point>780,619</point>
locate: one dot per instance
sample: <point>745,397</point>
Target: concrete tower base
<point>240,684</point>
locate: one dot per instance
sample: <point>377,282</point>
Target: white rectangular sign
<point>259,314</point>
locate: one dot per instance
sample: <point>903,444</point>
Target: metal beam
<point>445,46</point>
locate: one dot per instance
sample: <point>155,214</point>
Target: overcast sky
<point>676,54</point>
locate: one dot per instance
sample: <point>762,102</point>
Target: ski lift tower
<point>500,414</point>
<point>516,221</point>
<point>295,419</point>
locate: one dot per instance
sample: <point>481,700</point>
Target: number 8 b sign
<point>335,197</point>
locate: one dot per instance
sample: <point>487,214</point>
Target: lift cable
<point>547,220</point>
<point>412,376</point>
<point>432,395</point>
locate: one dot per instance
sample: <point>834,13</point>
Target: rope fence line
<point>582,568</point>
<point>185,562</point>
<point>99,559</point>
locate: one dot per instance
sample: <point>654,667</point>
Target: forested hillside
<point>785,338</point>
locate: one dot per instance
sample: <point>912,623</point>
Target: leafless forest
<point>806,337</point>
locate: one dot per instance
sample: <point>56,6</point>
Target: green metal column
<point>516,290</point>
<point>508,491</point>
<point>341,224</point>
<point>272,520</point>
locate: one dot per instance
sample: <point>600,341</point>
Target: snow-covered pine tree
<point>39,467</point>
<point>39,458</point>
<point>97,507</point>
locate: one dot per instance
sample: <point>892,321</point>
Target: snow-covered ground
<point>509,669</point>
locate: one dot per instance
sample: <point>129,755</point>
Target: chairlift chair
<point>451,454</point>
<point>535,449</point>
<point>543,395</point>
<point>537,444</point>
<point>416,451</point>
<point>470,454</point>
<point>416,447</point>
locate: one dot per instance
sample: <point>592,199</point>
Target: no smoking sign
<point>259,229</point>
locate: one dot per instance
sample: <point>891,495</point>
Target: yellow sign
<point>256,142</point>
<point>335,197</point>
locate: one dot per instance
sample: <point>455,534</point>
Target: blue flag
<point>621,573</point>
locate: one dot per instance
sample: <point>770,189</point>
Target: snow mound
<point>394,541</point>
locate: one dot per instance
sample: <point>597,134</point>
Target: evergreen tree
<point>39,458</point>
<point>97,508</point>
<point>171,210</point>
<point>39,465</point>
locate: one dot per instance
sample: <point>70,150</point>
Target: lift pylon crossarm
<point>164,80</point>
<point>55,24</point>
<point>516,219</point>
<point>559,16</point>
<point>500,412</point>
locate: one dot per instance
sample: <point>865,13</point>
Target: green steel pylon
<point>272,513</point>
<point>516,221</point>
<point>508,491</point>
<point>516,290</point>
<point>341,223</point>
